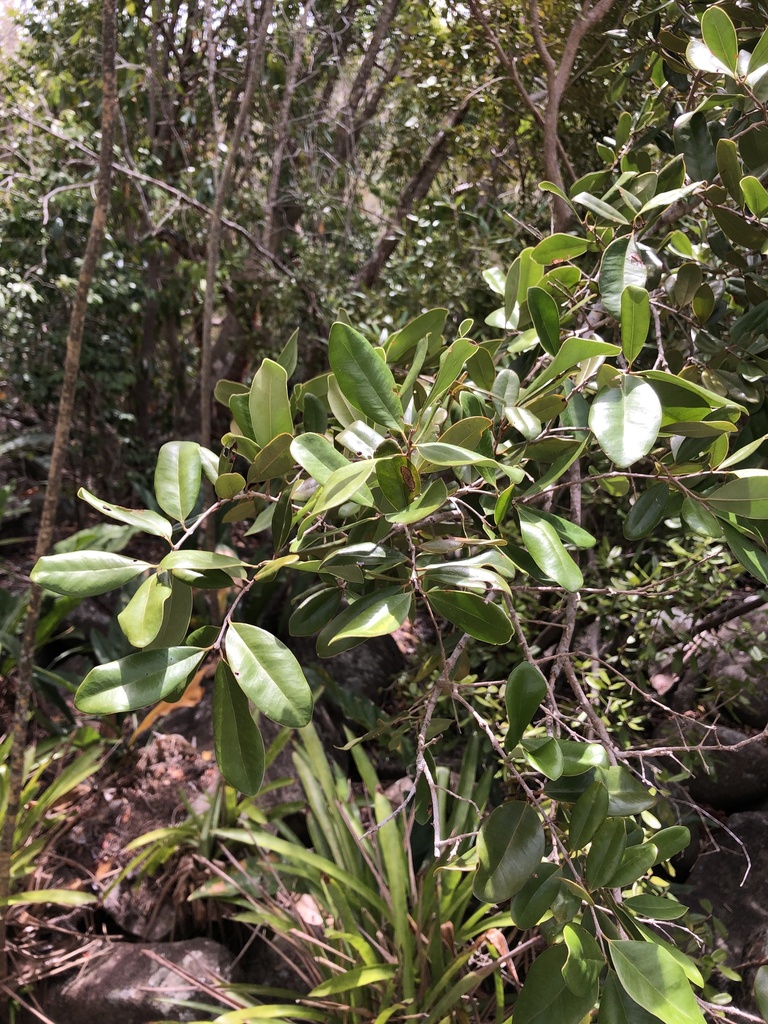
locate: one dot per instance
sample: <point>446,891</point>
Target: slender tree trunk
<point>58,458</point>
<point>257,42</point>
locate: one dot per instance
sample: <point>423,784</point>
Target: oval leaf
<point>647,512</point>
<point>545,997</point>
<point>177,478</point>
<point>269,674</point>
<point>510,846</point>
<point>626,420</point>
<point>547,551</point>
<point>535,898</point>
<point>484,621</point>
<point>589,813</point>
<point>376,614</point>
<point>268,403</point>
<point>635,321</point>
<point>86,573</point>
<point>720,36</point>
<point>746,496</point>
<point>655,980</point>
<point>525,690</point>
<point>137,680</point>
<point>365,381</point>
<point>142,618</point>
<point>606,851</point>
<point>238,742</point>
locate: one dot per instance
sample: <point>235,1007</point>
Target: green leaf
<point>535,898</point>
<point>720,36</point>
<point>439,454</point>
<point>203,561</point>
<point>547,551</point>
<point>398,479</point>
<point>269,674</point>
<point>572,352</point>
<point>376,614</point>
<point>355,977</point>
<point>135,681</point>
<point>647,512</point>
<point>177,612</point>
<point>451,365</point>
<point>635,321</point>
<point>525,690</point>
<point>229,484</point>
<point>747,552</point>
<point>58,897</point>
<point>761,991</point>
<point>314,612</point>
<point>317,456</point>
<point>557,248</point>
<point>177,478</point>
<point>759,56</point>
<point>657,908</point>
<point>345,484</point>
<point>616,1007</point>
<point>238,743</point>
<point>149,522</point>
<point>580,758</point>
<point>430,323</point>
<point>288,359</point>
<point>740,230</point>
<point>273,461</point>
<point>429,501</point>
<point>606,851</point>
<point>365,381</point>
<point>545,997</point>
<point>568,532</point>
<point>601,209</point>
<point>626,420</point>
<point>620,267</point>
<point>142,618</point>
<point>634,864</point>
<point>470,612</point>
<point>656,981</point>
<point>700,57</point>
<point>746,496</point>
<point>545,754</point>
<point>268,404</point>
<point>670,841</point>
<point>86,573</point>
<point>729,166</point>
<point>510,846</point>
<point>585,960</point>
<point>693,140</point>
<point>546,318</point>
<point>588,814</point>
<point>626,794</point>
<point>755,195</point>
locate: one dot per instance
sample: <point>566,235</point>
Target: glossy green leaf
<point>269,674</point>
<point>135,681</point>
<point>237,740</point>
<point>747,552</point>
<point>670,841</point>
<point>510,846</point>
<point>546,318</point>
<point>314,612</point>
<point>273,461</point>
<point>657,908</point>
<point>317,456</point>
<point>746,496</point>
<point>626,420</point>
<point>177,478</point>
<point>637,860</point>
<point>399,480</point>
<point>483,620</point>
<point>701,58</point>
<point>626,794</point>
<point>585,960</point>
<point>703,303</point>
<point>738,229</point>
<point>345,484</point>
<point>471,577</point>
<point>535,898</point>
<point>429,501</point>
<point>144,519</point>
<point>355,977</point>
<point>616,1007</point>
<point>142,618</point>
<point>558,247</point>
<point>568,532</point>
<point>606,851</point>
<point>288,359</point>
<point>481,369</point>
<point>635,321</point>
<point>693,140</point>
<point>229,484</point>
<point>430,323</point>
<point>755,195</point>
<point>203,561</point>
<point>376,614</point>
<point>545,755</point>
<point>451,365</point>
<point>601,209</point>
<point>647,512</point>
<point>621,267</point>
<point>365,381</point>
<point>573,352</point>
<point>439,454</point>
<point>268,403</point>
<point>729,166</point>
<point>580,757</point>
<point>545,998</point>
<point>525,690</point>
<point>177,611</point>
<point>86,573</point>
<point>547,551</point>
<point>588,815</point>
<point>700,519</point>
<point>761,991</point>
<point>655,980</point>
<point>720,36</point>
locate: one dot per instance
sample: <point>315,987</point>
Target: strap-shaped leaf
<point>144,519</point>
<point>86,573</point>
<point>237,739</point>
<point>510,846</point>
<point>269,674</point>
<point>138,680</point>
<point>655,980</point>
<point>364,379</point>
<point>177,478</point>
<point>268,404</point>
<point>626,420</point>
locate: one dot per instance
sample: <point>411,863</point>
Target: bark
<point>58,458</point>
<point>414,191</point>
<point>257,45</point>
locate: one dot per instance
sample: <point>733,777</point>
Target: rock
<point>136,984</point>
<point>728,781</point>
<point>717,877</point>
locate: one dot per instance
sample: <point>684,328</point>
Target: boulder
<point>141,983</point>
